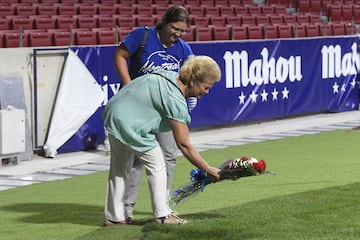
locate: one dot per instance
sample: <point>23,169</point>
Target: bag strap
<point>168,81</point>
<point>135,63</point>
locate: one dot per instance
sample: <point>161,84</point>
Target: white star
<point>264,95</point>
<point>353,83</point>
<point>253,97</point>
<point>274,94</point>
<point>242,98</point>
<point>343,87</point>
<point>335,88</point>
<point>285,93</point>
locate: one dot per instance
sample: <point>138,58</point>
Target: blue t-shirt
<point>154,56</point>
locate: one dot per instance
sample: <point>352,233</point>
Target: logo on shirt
<point>160,60</point>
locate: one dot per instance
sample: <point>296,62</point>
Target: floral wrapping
<point>232,169</point>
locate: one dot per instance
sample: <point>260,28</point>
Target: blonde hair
<point>197,68</point>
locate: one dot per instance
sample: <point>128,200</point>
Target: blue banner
<point>261,80</point>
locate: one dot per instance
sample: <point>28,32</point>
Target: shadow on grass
<point>59,213</point>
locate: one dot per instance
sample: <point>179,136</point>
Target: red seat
<point>69,10</point>
<point>304,6</point>
<point>350,28</point>
<point>25,10</point>
<point>196,11</point>
<point>40,39</point>
<point>65,22</point>
<point>105,21</point>
<point>190,35</point>
<point>356,14</point>
<point>106,36</point>
<point>315,6</point>
<point>255,32</point>
<point>288,18</point>
<point>312,30</point>
<point>263,19</point>
<point>201,21</point>
<point>299,30</point>
<point>46,10</point>
<point>226,11</point>
<point>239,33</point>
<point>254,10</point>
<point>217,21</point>
<point>61,38</point>
<point>145,21</point>
<point>286,31</point>
<point>86,9</point>
<point>338,29</point>
<point>314,18</point>
<point>21,22</point>
<point>85,38</point>
<point>212,11</point>
<point>334,13</point>
<point>126,10</point>
<point>233,20</point>
<point>221,33</point>
<point>347,13</point>
<point>43,22</point>
<point>12,39</point>
<point>277,19</point>
<point>204,33</point>
<point>302,18</point>
<point>6,10</point>
<point>143,10</point>
<point>104,9</point>
<point>271,31</point>
<point>240,10</point>
<point>248,20</point>
<point>86,21</point>
<point>4,24</point>
<point>267,9</point>
<point>125,21</point>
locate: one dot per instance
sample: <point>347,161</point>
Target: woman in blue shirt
<point>163,50</point>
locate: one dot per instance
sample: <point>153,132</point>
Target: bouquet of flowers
<point>232,169</point>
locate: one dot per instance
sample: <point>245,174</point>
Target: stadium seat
<point>85,38</point>
<point>207,3</point>
<point>4,24</point>
<point>286,31</point>
<point>40,39</point>
<point>239,33</point>
<point>299,30</point>
<point>240,10</point>
<point>126,10</point>
<point>263,19</point>
<point>314,18</point>
<point>254,10</point>
<point>61,38</point>
<point>86,21</point>
<point>46,10</point>
<point>217,21</point>
<point>315,6</point>
<point>334,13</point>
<point>248,20</point>
<point>289,18</point>
<point>267,9</point>
<point>312,30</point>
<point>145,21</point>
<point>106,36</point>
<point>196,11</point>
<point>226,11</point>
<point>233,20</point>
<point>356,14</point>
<point>190,35</point>
<point>143,10</point>
<point>86,9</point>
<point>66,10</point>
<point>350,28</point>
<point>255,32</point>
<point>25,10</point>
<point>338,29</point>
<point>65,22</point>
<point>204,33</point>
<point>12,39</point>
<point>6,10</point>
<point>302,18</point>
<point>304,6</point>
<point>277,19</point>
<point>271,31</point>
<point>104,21</point>
<point>104,9</point>
<point>21,22</point>
<point>212,11</point>
<point>347,13</point>
<point>221,33</point>
<point>44,22</point>
<point>201,21</point>
<point>125,21</point>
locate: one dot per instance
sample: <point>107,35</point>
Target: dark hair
<point>175,14</point>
